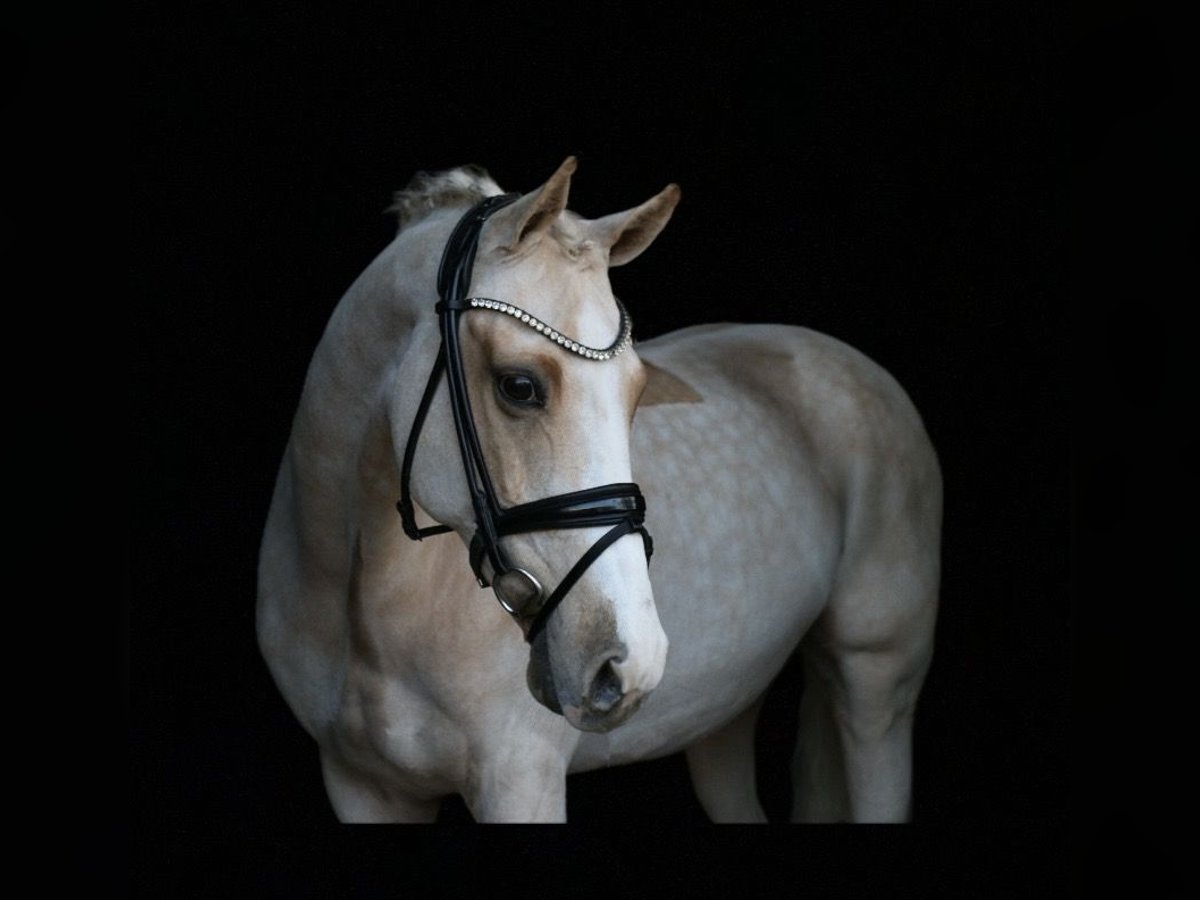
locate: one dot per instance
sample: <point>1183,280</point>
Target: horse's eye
<point>520,390</point>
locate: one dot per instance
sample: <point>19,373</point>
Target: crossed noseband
<point>620,507</point>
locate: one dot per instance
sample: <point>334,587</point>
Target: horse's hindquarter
<point>757,496</point>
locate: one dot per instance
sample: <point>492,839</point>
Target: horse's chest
<point>388,725</point>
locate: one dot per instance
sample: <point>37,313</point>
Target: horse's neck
<point>342,425</point>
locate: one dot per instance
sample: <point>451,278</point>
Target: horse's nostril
<point>606,688</point>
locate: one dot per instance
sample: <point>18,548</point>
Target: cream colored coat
<point>793,495</point>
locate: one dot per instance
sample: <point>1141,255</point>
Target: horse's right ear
<point>628,233</point>
<point>534,213</point>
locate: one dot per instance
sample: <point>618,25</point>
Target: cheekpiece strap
<point>620,507</point>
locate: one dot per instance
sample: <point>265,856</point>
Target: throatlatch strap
<point>408,517</point>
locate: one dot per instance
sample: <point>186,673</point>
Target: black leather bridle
<point>620,507</point>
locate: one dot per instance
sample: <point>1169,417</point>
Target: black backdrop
<point>897,179</point>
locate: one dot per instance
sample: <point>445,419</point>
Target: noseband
<point>620,507</point>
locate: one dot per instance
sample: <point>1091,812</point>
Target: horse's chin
<point>591,720</point>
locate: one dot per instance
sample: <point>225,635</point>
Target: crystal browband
<point>624,337</point>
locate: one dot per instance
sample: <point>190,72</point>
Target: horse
<point>664,523</point>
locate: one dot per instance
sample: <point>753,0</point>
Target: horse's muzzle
<point>602,705</point>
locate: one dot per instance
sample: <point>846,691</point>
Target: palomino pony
<point>479,378</point>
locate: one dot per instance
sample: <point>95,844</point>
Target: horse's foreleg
<point>722,770</point>
<point>357,798</point>
<point>519,791</point>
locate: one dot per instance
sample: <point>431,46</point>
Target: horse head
<point>542,382</point>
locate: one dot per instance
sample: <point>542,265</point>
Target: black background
<point>901,179</point>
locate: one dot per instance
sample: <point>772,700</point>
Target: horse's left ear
<point>533,214</point>
<point>628,233</point>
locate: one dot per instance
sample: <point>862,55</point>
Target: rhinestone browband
<point>624,337</point>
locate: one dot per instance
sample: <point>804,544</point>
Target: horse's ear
<point>663,387</point>
<point>628,233</point>
<point>534,213</point>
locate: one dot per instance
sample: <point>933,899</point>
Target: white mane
<point>427,191</point>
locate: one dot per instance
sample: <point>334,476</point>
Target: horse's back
<point>849,420</point>
<point>816,380</point>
